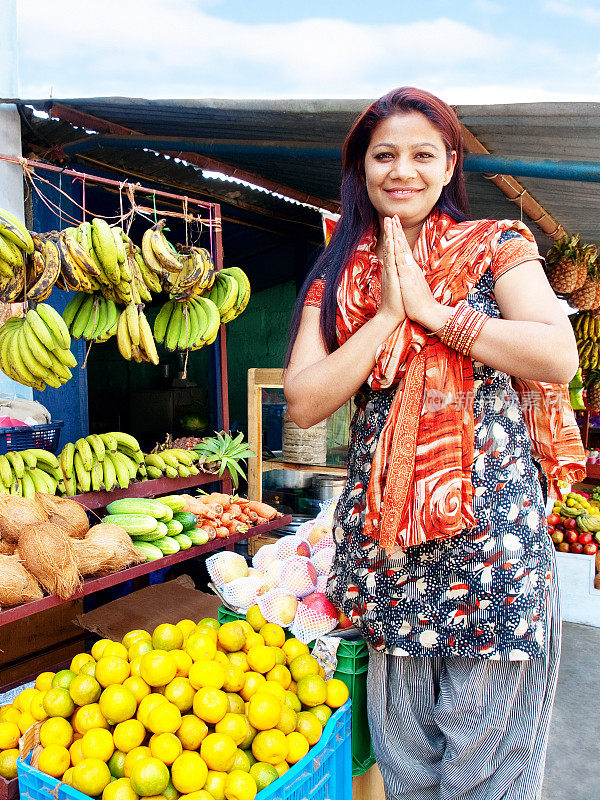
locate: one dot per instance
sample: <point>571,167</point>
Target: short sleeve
<point>513,249</point>
<point>315,293</point>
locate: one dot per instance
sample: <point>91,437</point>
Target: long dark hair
<point>357,211</point>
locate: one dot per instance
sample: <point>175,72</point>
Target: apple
<point>298,576</point>
<point>564,547</point>
<point>570,523</point>
<point>344,621</point>
<point>318,602</point>
<point>553,519</point>
<point>278,607</point>
<point>318,533</point>
<point>557,537</point>
<point>570,536</point>
<point>576,548</point>
<point>590,549</point>
<point>292,545</point>
<point>585,538</point>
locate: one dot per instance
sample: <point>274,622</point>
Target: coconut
<point>7,548</point>
<point>16,513</point>
<point>70,515</point>
<point>106,548</point>
<point>17,585</point>
<point>47,552</point>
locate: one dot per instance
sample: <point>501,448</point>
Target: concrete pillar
<point>11,175</point>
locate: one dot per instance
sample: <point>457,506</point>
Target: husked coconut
<point>69,514</point>
<point>16,513</point>
<point>47,552</point>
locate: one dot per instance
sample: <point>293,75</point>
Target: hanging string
<point>82,199</point>
<point>185,211</point>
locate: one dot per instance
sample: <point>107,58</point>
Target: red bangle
<point>463,327</point>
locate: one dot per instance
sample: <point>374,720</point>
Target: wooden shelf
<point>91,585</point>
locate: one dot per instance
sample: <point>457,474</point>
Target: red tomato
<point>557,537</point>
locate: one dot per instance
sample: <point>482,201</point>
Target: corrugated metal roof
<point>562,131</point>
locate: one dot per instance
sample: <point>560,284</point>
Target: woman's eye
<point>382,156</point>
<point>424,155</point>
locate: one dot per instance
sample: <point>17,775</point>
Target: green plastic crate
<point>353,663</point>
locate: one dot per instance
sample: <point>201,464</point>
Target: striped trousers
<point>464,728</point>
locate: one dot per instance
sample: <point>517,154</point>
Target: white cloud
<point>568,9</point>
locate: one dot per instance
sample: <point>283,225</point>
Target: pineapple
<point>592,397</point>
<point>587,297</point>
<point>566,269</point>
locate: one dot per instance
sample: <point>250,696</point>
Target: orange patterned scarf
<point>420,486</point>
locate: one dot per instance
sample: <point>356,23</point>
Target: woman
<point>443,561</point>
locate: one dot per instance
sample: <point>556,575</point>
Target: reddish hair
<point>357,211</point>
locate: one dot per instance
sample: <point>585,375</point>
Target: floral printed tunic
<point>481,593</point>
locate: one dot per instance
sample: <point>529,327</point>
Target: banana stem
<point>91,342</point>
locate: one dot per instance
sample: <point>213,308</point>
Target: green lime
<point>213,623</point>
<point>116,764</point>
<point>63,678</point>
<point>263,774</point>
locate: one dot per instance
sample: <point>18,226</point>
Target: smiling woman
<point>447,334</point>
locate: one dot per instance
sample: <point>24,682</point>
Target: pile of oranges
<point>194,711</point>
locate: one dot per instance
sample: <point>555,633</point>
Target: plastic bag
<point>325,515</point>
<point>278,606</point>
<point>242,593</point>
<point>298,576</point>
<point>225,567</point>
<point>309,624</point>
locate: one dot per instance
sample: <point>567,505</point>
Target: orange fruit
<point>117,703</point>
<point>138,686</point>
<point>200,646</point>
<point>58,702</point>
<point>210,622</point>
<point>292,648</point>
<point>36,707</point>
<point>264,711</point>
<point>281,768</point>
<point>91,776</point>
<point>84,689</point>
<point>206,673</point>
<point>221,658</point>
<point>98,648</point>
<point>298,747</point>
<point>254,681</point>
<point>322,713</point>
<point>274,688</point>
<point>251,732</point>
<point>242,761</point>
<point>253,639</point>
<point>128,734</point>
<point>158,668</point>
<point>263,774</point>
<point>207,630</point>
<point>54,760</point>
<point>210,704</point>
<point>139,648</point>
<point>147,704</point>
<point>292,701</point>
<point>274,635</point>
<point>110,670</point>
<point>167,637</point>
<point>218,751</point>
<point>26,720</point>
<point>191,732</point>
<point>234,678</point>
<point>166,747</point>
<point>303,665</point>
<point>88,668</point>
<point>255,618</point>
<point>88,717</point>
<point>149,776</point>
<point>270,746</point>
<point>261,658</point>
<point>337,692</point>
<point>62,678</point>
<point>309,726</point>
<point>119,790</point>
<point>116,764</point>
<point>10,713</point>
<point>23,700</point>
<point>180,692</point>
<point>133,756</point>
<point>75,752</point>
<point>288,720</point>
<point>312,690</point>
<point>215,784</point>
<point>8,763</point>
<point>97,743</point>
<point>43,682</point>
<point>231,636</point>
<point>189,772</point>
<point>136,667</point>
<point>281,675</point>
<point>183,661</point>
<point>236,703</point>
<point>239,659</point>
<point>186,626</point>
<point>164,718</point>
<point>79,660</point>
<point>135,636</point>
<point>115,650</point>
<point>279,656</point>
<point>10,734</point>
<point>233,725</point>
<point>240,785</point>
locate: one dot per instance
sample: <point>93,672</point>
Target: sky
<point>470,51</point>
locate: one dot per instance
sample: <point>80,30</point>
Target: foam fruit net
<point>309,624</point>
<point>263,557</point>
<point>296,577</point>
<point>222,566</point>
<point>287,546</point>
<point>322,560</point>
<point>278,606</point>
<point>242,593</point>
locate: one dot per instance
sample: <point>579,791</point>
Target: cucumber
<point>147,537</point>
<point>174,501</point>
<point>137,505</point>
<point>187,519</point>
<point>161,526</point>
<point>168,515</point>
<point>151,552</point>
<point>134,524</point>
<point>198,536</point>
<point>174,527</point>
<point>184,541</point>
<point>167,545</point>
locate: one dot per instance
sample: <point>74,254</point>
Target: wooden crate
<point>256,542</point>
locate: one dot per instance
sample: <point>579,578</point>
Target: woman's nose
<point>402,167</point>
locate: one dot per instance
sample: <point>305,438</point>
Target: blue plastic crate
<point>325,773</point>
<point>44,437</point>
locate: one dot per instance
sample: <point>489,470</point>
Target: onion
<point>47,552</point>
<point>106,548</point>
<point>16,513</point>
<point>17,585</point>
<point>69,514</point>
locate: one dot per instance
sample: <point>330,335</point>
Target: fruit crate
<point>323,774</point>
<point>352,666</point>
<point>45,437</point>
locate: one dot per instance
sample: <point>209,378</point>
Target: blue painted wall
<point>70,402</point>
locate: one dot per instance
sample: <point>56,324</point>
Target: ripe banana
<point>166,257</point>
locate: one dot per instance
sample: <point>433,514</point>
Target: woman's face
<point>406,167</point>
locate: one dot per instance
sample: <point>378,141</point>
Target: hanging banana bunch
<point>134,336</point>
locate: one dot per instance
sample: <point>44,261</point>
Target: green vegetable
<point>198,536</point>
<point>187,519</point>
<point>134,524</point>
<point>174,501</point>
<point>184,541</point>
<point>168,515</point>
<point>174,527</point>
<point>151,552</point>
<point>137,505</point>
<point>167,545</point>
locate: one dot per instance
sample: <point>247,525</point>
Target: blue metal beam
<point>587,171</point>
